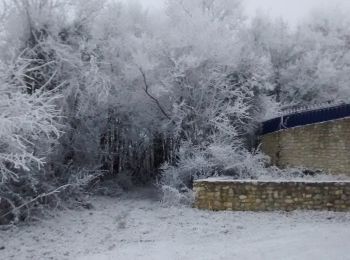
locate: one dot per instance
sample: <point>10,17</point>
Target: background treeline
<point>93,89</point>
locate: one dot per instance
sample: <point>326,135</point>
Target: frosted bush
<point>100,90</point>
<point>24,120</point>
<point>173,197</point>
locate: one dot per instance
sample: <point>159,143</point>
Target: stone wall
<point>269,196</point>
<point>323,146</point>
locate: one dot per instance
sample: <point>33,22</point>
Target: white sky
<point>291,10</point>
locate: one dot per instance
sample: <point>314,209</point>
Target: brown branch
<point>146,89</point>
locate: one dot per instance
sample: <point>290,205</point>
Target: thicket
<point>94,90</point>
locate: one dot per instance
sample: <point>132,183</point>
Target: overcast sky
<point>291,10</point>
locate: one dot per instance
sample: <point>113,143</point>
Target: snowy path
<point>135,228</point>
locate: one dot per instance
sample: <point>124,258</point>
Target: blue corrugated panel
<point>306,118</point>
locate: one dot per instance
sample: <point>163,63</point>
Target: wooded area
<point>93,90</point>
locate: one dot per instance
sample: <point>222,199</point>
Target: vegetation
<point>93,90</point>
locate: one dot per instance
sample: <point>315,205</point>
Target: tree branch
<point>152,97</point>
<point>43,195</point>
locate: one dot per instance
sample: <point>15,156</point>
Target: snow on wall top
<point>328,179</point>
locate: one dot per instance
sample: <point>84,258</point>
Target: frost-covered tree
<point>309,64</point>
<point>321,71</point>
<point>25,121</point>
<point>38,66</point>
<point>29,129</point>
<point>104,89</point>
<point>212,89</point>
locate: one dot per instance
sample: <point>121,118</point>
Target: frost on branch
<point>212,120</point>
<point>93,90</point>
<point>25,120</point>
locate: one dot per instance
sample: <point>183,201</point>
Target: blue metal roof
<point>306,118</point>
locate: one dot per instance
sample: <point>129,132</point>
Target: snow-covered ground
<point>134,228</point>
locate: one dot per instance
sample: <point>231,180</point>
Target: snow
<point>135,227</point>
<point>318,179</point>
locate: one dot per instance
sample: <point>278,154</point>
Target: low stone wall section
<point>271,196</point>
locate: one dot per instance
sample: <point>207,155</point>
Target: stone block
<point>243,197</point>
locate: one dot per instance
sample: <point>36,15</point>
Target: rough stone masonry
<point>271,195</point>
<point>322,146</point>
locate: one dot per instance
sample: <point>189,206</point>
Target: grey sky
<point>291,10</point>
